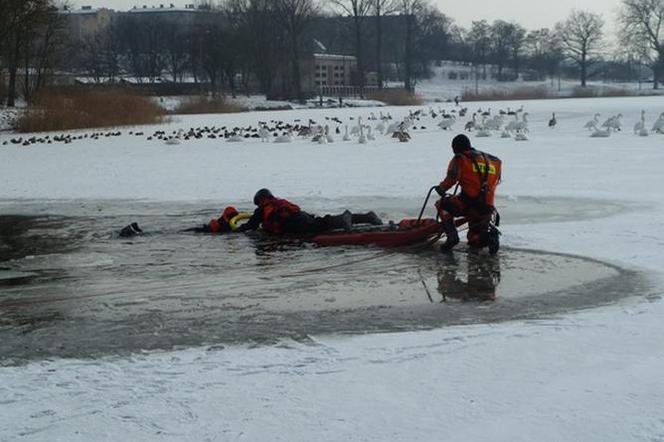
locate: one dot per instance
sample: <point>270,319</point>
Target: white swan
<point>601,133</point>
<point>658,127</point>
<point>235,138</point>
<point>592,124</point>
<point>471,124</point>
<point>328,136</point>
<point>640,128</point>
<point>363,138</point>
<point>522,126</point>
<point>346,135</point>
<point>285,138</point>
<point>264,134</point>
<point>447,123</point>
<point>370,136</point>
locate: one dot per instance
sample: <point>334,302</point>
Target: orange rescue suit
<point>275,212</point>
<point>470,169</point>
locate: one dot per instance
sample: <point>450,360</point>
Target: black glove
<point>440,191</point>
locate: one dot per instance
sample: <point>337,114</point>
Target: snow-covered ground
<point>589,376</point>
<point>442,88</point>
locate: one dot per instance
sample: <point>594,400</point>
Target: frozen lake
<point>71,288</point>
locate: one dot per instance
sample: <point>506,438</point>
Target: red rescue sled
<point>407,232</point>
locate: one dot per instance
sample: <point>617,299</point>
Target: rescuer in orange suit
<point>279,216</point>
<point>477,174</point>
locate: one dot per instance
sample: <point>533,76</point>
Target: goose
<point>553,121</point>
<point>592,124</point>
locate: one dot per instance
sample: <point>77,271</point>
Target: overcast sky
<point>530,13</point>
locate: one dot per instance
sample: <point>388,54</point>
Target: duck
<point>553,121</point>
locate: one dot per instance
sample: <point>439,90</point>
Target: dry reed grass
<point>208,105</point>
<point>78,109</point>
<point>396,97</point>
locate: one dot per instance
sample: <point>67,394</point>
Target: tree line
<point>231,44</point>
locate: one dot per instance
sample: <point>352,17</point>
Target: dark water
<point>69,288</point>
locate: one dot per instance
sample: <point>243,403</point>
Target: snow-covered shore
<point>592,376</point>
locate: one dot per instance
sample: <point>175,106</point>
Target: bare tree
<point>643,29</point>
<point>410,9</point>
<point>544,48</point>
<point>380,9</point>
<point>517,40</point>
<point>294,16</point>
<point>264,38</point>
<point>21,20</point>
<point>479,39</point>
<point>501,34</point>
<point>358,10</point>
<point>41,50</point>
<point>582,34</point>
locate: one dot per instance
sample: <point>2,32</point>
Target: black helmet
<point>262,194</point>
<point>461,143</point>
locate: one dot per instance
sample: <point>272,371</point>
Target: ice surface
<point>590,376</point>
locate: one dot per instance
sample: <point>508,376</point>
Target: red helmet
<point>230,212</point>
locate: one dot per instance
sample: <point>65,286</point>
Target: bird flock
<point>504,123</point>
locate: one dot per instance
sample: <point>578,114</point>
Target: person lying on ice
<point>477,174</point>
<point>280,216</point>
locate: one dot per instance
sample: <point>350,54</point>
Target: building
<point>87,21</point>
<point>185,16</point>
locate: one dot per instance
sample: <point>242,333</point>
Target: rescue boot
<point>340,222</point>
<point>366,218</point>
<point>493,240</point>
<point>452,236</point>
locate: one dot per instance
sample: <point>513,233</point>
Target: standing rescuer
<point>477,174</point>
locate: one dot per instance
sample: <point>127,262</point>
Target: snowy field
<point>594,375</point>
